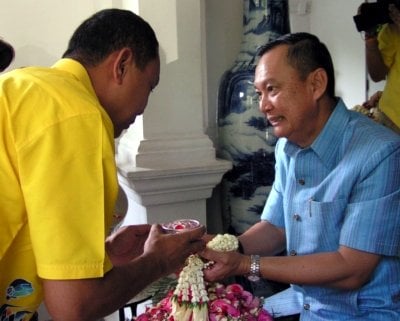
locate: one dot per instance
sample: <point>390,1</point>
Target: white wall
<point>332,22</point>
<point>39,30</point>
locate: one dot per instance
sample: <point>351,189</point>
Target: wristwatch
<point>254,274</point>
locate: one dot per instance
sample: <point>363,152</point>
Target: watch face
<point>253,278</point>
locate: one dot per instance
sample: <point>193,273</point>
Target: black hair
<point>6,54</point>
<point>109,30</point>
<point>305,53</point>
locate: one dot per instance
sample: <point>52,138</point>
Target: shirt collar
<point>328,141</point>
<point>77,70</point>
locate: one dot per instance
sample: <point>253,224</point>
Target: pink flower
<point>166,302</point>
<point>143,317</point>
<point>223,306</point>
<point>235,288</point>
<point>225,303</point>
<point>219,289</point>
<point>250,301</point>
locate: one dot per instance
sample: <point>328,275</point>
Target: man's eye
<point>270,88</point>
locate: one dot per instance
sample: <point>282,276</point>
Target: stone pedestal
<point>168,166</point>
<point>156,196</point>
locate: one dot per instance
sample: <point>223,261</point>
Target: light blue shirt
<point>342,190</point>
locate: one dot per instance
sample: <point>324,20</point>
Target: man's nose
<point>265,105</point>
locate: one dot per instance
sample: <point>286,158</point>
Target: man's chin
<point>118,132</point>
<point>279,132</point>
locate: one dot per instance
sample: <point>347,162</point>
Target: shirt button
<point>302,181</point>
<point>297,217</point>
<point>293,253</point>
<point>306,306</point>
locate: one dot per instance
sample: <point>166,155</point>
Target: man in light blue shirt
<point>335,203</point>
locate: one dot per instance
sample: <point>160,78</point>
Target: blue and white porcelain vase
<point>244,136</point>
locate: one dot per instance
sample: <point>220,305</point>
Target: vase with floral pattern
<point>244,135</point>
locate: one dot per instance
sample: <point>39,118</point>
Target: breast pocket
<point>325,220</point>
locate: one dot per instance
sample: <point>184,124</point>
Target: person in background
<point>383,62</point>
<point>59,177</point>
<point>334,205</point>
<point>6,55</point>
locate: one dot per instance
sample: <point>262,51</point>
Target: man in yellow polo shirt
<point>59,182</point>
<point>383,63</point>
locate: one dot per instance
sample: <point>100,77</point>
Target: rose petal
<point>143,317</point>
<point>237,288</point>
<point>220,306</point>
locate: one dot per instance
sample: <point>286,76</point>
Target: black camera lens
<point>6,55</point>
<point>371,15</point>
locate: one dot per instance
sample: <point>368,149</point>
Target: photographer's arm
<point>375,65</point>
<point>377,69</point>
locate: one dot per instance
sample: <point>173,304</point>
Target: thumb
<point>209,254</point>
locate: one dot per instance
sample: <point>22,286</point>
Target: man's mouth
<point>275,120</point>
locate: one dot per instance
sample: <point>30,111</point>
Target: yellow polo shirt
<point>58,182</point>
<point>389,46</point>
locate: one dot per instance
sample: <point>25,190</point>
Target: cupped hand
<point>127,243</point>
<point>224,264</point>
<point>170,251</point>
<point>373,101</point>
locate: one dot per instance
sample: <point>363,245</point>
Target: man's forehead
<point>273,57</point>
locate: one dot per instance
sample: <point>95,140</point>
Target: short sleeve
<point>273,211</point>
<point>69,181</point>
<point>372,217</point>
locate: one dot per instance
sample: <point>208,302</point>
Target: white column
<point>167,163</point>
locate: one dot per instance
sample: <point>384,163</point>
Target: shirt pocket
<point>325,223</point>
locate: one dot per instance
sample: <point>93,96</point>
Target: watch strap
<point>254,274</point>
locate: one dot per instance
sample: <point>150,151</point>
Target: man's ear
<point>319,82</point>
<point>122,62</point>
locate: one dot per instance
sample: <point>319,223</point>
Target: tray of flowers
<point>191,298</point>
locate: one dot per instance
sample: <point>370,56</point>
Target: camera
<point>373,14</point>
<point>6,55</point>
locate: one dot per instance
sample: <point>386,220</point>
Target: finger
<point>210,254</point>
<point>197,246</point>
<point>194,234</point>
<point>141,229</point>
<point>208,237</point>
<point>156,228</point>
<point>212,276</point>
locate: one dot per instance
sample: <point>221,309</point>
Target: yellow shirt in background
<point>59,183</point>
<point>389,46</point>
